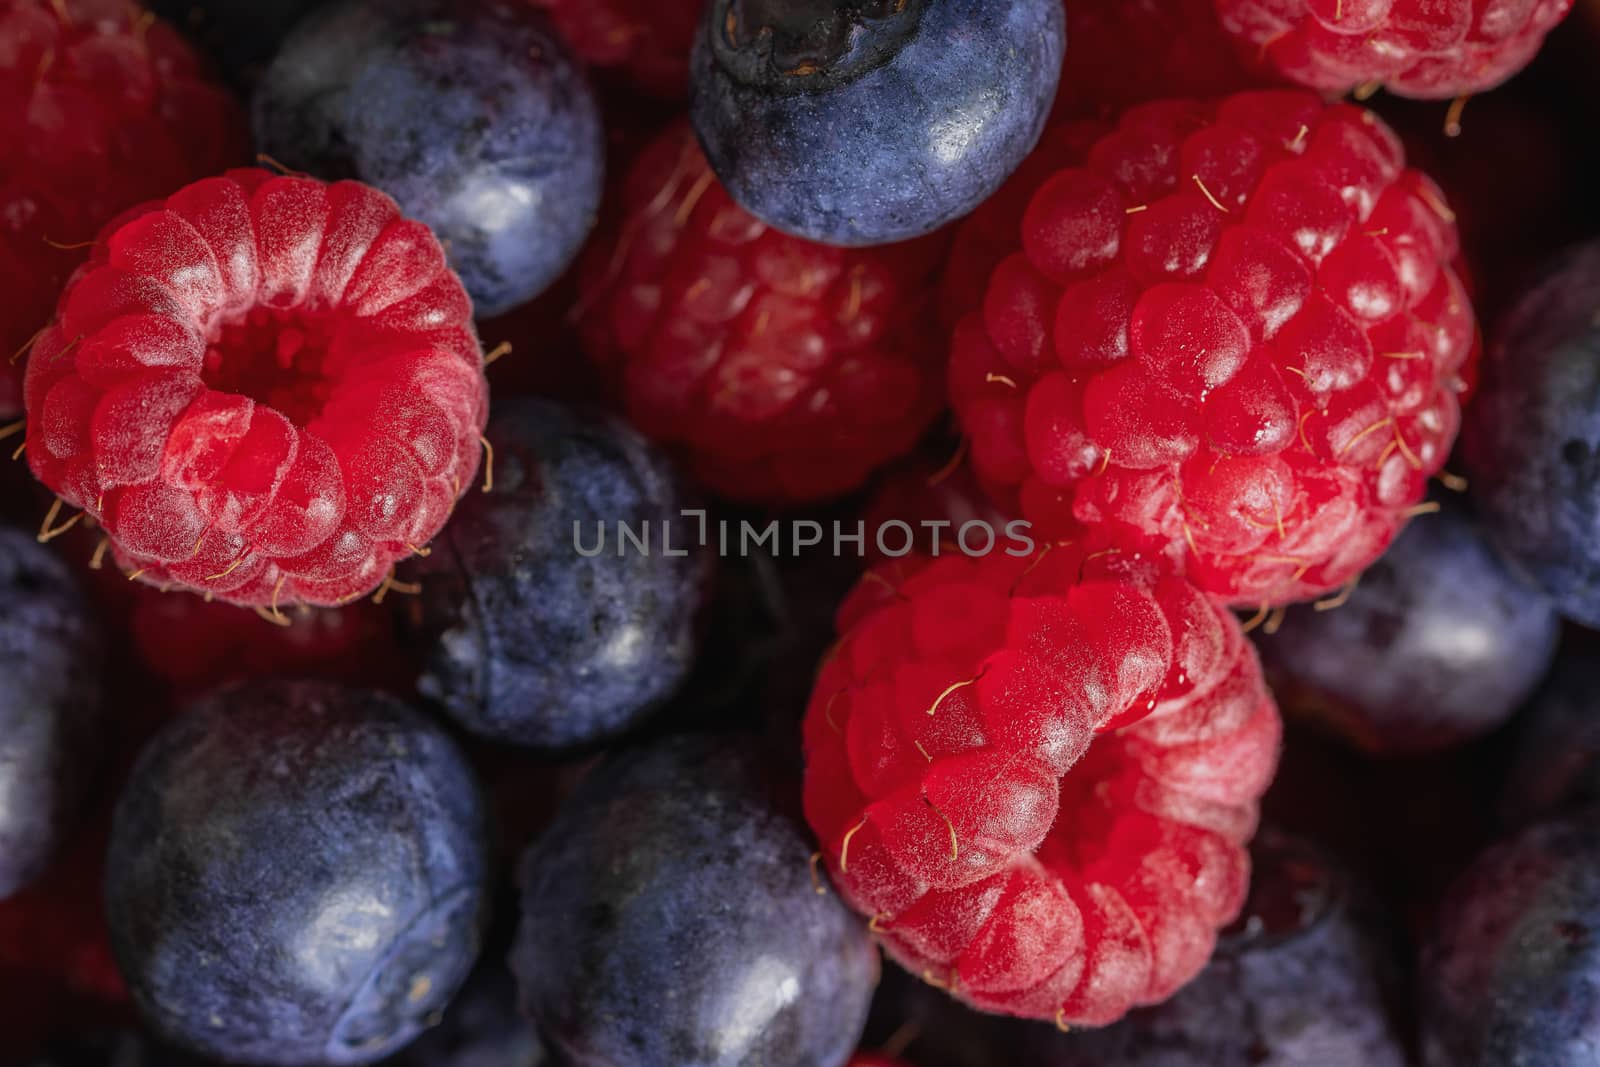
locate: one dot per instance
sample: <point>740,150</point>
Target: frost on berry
<point>101,107</point>
<point>1223,334</point>
<point>1037,776</point>
<point>264,388</point>
<point>1430,49</point>
<point>783,370</point>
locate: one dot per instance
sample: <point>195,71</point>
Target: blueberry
<point>50,707</point>
<point>1302,978</point>
<point>1438,643</point>
<point>482,1029</point>
<point>1532,435</point>
<point>471,113</point>
<point>1557,760</point>
<point>1511,975</point>
<point>670,916</point>
<point>526,639</point>
<point>859,122</point>
<point>296,875</point>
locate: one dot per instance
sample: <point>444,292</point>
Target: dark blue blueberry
<point>471,113</point>
<point>50,708</point>
<point>1439,643</point>
<point>239,36</point>
<point>526,639</point>
<point>1303,979</point>
<point>297,875</point>
<point>483,1028</point>
<point>1532,435</point>
<point>1557,761</point>
<point>1511,975</point>
<point>859,122</point>
<point>670,916</point>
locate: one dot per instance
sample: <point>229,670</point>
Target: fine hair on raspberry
<point>1037,776</point>
<point>1229,336</point>
<point>265,388</point>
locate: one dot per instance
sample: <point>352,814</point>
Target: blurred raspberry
<point>264,389</point>
<point>1231,337</point>
<point>646,41</point>
<point>1037,776</point>
<point>785,371</point>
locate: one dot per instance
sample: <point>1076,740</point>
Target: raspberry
<point>103,107</point>
<point>265,388</point>
<point>785,370</point>
<point>1429,49</point>
<point>648,41</point>
<point>1231,338</point>
<point>1038,776</point>
<point>1125,52</point>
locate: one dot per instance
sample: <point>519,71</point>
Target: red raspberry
<point>1430,49</point>
<point>647,40</point>
<point>1125,52</point>
<point>1232,338</point>
<point>1038,776</point>
<point>101,107</point>
<point>264,388</point>
<point>785,370</point>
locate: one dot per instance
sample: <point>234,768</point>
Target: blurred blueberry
<point>526,639</point>
<point>297,875</point>
<point>670,916</point>
<point>50,707</point>
<point>1557,761</point>
<point>1299,981</point>
<point>1511,975</point>
<point>1438,643</point>
<point>1532,435</point>
<point>875,121</point>
<point>471,113</point>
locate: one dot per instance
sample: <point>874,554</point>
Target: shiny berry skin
<point>267,389</point>
<point>1230,337</point>
<point>1429,49</point>
<point>783,371</point>
<point>645,42</point>
<point>101,109</point>
<point>1037,776</point>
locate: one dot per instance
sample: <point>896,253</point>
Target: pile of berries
<point>947,457</point>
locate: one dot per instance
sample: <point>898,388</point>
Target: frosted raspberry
<point>784,370</point>
<point>648,41</point>
<point>101,107</point>
<point>1124,52</point>
<point>1037,776</point>
<point>1431,49</point>
<point>1231,337</point>
<point>264,388</point>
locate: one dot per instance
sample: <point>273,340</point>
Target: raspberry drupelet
<point>102,107</point>
<point>784,371</point>
<point>1428,49</point>
<point>1037,776</point>
<point>267,389</point>
<point>1230,337</point>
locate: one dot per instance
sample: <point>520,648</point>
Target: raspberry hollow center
<point>275,357</point>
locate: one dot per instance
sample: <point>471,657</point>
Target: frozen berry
<point>1037,776</point>
<point>669,917</point>
<point>1230,338</point>
<point>471,113</point>
<point>1557,762</point>
<point>1125,52</point>
<point>266,389</point>
<point>1532,444</point>
<point>1300,982</point>
<point>784,370</point>
<point>1438,643</point>
<point>865,123</point>
<point>297,874</point>
<point>647,42</point>
<point>1511,974</point>
<point>560,610</point>
<point>1432,49</point>
<point>101,108</point>
<point>50,710</point>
